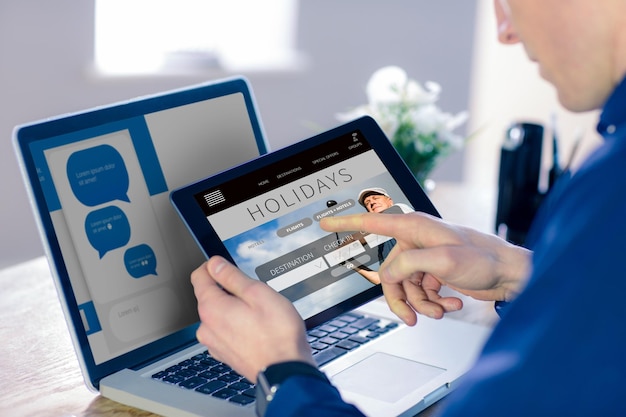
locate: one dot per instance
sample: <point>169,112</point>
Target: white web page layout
<point>275,237</point>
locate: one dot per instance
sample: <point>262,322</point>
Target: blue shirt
<point>560,347</point>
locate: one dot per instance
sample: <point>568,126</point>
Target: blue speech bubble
<point>107,229</point>
<point>140,261</point>
<point>98,175</point>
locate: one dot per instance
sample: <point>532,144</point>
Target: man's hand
<point>431,253</point>
<point>244,322</point>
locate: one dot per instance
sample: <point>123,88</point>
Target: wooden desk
<point>40,375</point>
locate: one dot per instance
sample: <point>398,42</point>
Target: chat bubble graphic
<point>107,229</point>
<point>140,261</point>
<point>98,175</point>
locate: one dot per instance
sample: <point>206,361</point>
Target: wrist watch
<point>270,379</point>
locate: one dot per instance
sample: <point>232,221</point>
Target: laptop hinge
<point>437,394</point>
<point>164,355</point>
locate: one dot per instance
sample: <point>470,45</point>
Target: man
<point>377,200</point>
<point>559,347</point>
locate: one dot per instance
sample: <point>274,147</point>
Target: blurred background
<point>306,60</point>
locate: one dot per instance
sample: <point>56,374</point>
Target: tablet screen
<point>266,216</point>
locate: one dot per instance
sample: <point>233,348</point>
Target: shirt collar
<point>613,117</point>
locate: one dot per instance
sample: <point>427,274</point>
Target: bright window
<point>152,36</point>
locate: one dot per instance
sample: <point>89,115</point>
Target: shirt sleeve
<point>500,307</point>
<point>559,348</point>
<point>304,396</point>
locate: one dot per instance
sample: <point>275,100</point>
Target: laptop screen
<point>101,182</point>
<point>265,216</point>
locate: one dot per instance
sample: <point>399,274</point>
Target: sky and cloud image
<point>263,244</point>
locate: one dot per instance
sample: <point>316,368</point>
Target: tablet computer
<point>264,215</point>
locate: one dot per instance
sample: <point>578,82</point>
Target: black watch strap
<point>278,372</point>
<point>270,379</point>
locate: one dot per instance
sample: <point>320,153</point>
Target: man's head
<point>375,199</point>
<point>579,45</point>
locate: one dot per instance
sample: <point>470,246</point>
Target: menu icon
<point>214,198</point>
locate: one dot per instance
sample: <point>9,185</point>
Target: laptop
<point>264,216</point>
<point>99,183</point>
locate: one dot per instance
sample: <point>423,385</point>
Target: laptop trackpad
<point>385,377</point>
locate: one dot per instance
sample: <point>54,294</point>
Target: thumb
<point>228,276</point>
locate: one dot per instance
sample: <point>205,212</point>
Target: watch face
<point>269,380</point>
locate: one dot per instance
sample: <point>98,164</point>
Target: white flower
<point>394,98</point>
<point>391,85</point>
<point>408,114</point>
<point>385,85</point>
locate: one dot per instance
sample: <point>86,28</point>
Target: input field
<point>344,253</point>
<point>375,240</point>
<point>298,274</point>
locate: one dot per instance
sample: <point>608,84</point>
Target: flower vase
<point>422,175</point>
<point>420,164</point>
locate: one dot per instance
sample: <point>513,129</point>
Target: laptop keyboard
<point>209,376</point>
<point>343,334</point>
<point>328,341</point>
